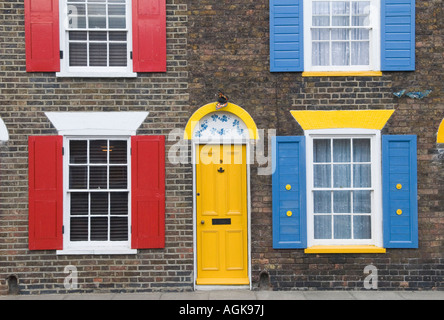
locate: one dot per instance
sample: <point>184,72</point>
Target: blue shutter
<point>286,36</point>
<point>397,35</point>
<point>399,180</point>
<point>289,169</point>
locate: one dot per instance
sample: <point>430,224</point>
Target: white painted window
<point>342,35</point>
<point>96,38</point>
<point>344,188</point>
<point>97,192</point>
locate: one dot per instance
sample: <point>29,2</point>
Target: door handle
<point>202,222</point>
<point>220,170</point>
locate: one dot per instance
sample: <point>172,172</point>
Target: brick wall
<point>24,97</point>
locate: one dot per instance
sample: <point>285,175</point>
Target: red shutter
<point>149,35</point>
<point>45,192</point>
<point>42,35</point>
<point>148,192</point>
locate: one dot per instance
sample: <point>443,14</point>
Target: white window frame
<point>374,46</point>
<point>93,247</point>
<point>376,176</point>
<point>93,72</point>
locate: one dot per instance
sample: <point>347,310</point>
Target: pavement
<point>242,295</point>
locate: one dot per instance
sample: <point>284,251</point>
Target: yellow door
<point>222,221</point>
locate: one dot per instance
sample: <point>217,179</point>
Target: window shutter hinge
<point>63,151</point>
<point>131,55</point>
<point>61,54</point>
<point>63,229</point>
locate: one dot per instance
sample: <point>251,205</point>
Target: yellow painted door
<point>222,220</point>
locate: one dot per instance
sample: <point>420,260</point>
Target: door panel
<point>222,220</point>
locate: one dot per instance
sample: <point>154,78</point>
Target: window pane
<point>98,54</point>
<point>340,34</point>
<point>99,203</point>
<point>361,150</point>
<point>119,203</point>
<point>98,36</point>
<point>340,53</point>
<point>362,202</point>
<point>97,22</point>
<point>362,227</point>
<point>341,150</point>
<point>342,227</point>
<point>322,201</point>
<point>116,10</point>
<point>341,176</point>
<point>78,35</point>
<point>321,53</point>
<point>97,177</point>
<point>117,55</point>
<point>362,176</point>
<point>117,36</point>
<point>321,150</point>
<point>322,227</point>
<point>321,8</point>
<point>117,151</point>
<point>341,201</point>
<point>117,22</point>
<point>98,151</point>
<point>79,204</point>
<point>79,229</point>
<point>322,175</point>
<point>77,177</point>
<point>340,7</point>
<point>78,55</point>
<point>119,229</point>
<point>117,177</point>
<point>77,151</point>
<point>361,53</point>
<point>320,34</point>
<point>99,229</point>
<point>96,9</point>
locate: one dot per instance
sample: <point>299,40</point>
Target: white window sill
<point>96,74</point>
<point>79,251</point>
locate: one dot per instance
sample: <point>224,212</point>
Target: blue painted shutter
<point>289,169</point>
<point>397,35</point>
<point>399,168</point>
<point>286,35</point>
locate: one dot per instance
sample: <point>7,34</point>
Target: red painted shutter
<point>149,36</point>
<point>45,192</point>
<point>42,35</point>
<point>148,192</point>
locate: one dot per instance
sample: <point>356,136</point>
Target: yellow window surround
<point>345,249</point>
<point>440,138</point>
<point>342,119</point>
